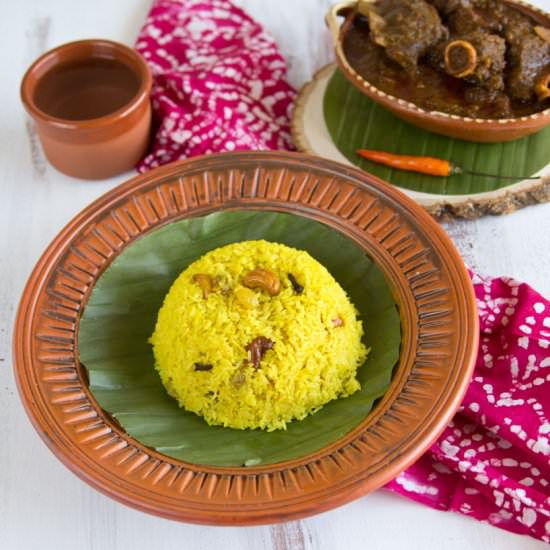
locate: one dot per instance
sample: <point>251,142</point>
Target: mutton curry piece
<point>473,58</point>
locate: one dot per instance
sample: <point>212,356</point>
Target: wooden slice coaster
<point>312,135</point>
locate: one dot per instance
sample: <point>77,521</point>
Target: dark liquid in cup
<point>89,89</point>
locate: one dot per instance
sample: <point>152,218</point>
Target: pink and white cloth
<point>218,81</point>
<point>219,85</point>
<point>493,460</point>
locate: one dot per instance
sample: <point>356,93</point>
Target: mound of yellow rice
<point>200,341</point>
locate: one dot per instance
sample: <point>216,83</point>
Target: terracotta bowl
<point>469,129</point>
<point>429,281</point>
<point>74,139</point>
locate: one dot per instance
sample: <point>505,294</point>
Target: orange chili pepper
<point>428,165</point>
<point>425,165</point>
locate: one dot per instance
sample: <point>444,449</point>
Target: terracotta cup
<point>90,101</point>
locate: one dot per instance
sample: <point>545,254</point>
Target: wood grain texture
<point>63,513</point>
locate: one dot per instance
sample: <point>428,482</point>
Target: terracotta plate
<point>428,278</point>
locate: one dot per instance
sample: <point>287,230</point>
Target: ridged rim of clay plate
<point>431,285</point>
<point>406,107</point>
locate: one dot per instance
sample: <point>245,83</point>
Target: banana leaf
<point>122,311</point>
<point>354,122</point>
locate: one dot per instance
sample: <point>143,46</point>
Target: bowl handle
<point>331,18</point>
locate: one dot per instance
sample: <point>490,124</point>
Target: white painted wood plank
<point>41,503</point>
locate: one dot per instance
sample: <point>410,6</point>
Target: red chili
<point>430,165</point>
<point>425,165</point>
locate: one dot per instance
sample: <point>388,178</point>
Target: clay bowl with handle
<point>469,129</point>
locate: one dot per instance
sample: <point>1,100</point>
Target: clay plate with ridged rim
<point>430,283</point>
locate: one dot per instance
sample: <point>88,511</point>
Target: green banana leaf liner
<point>354,122</point>
<point>121,315</point>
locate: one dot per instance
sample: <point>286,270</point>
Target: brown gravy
<point>86,90</point>
<point>431,90</point>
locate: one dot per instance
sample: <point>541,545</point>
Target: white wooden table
<point>43,505</point>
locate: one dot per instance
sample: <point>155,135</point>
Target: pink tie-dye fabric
<point>219,86</point>
<point>219,81</point>
<point>492,461</point>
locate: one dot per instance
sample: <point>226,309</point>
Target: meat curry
<point>474,58</point>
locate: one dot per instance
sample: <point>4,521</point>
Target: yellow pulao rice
<point>311,363</point>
